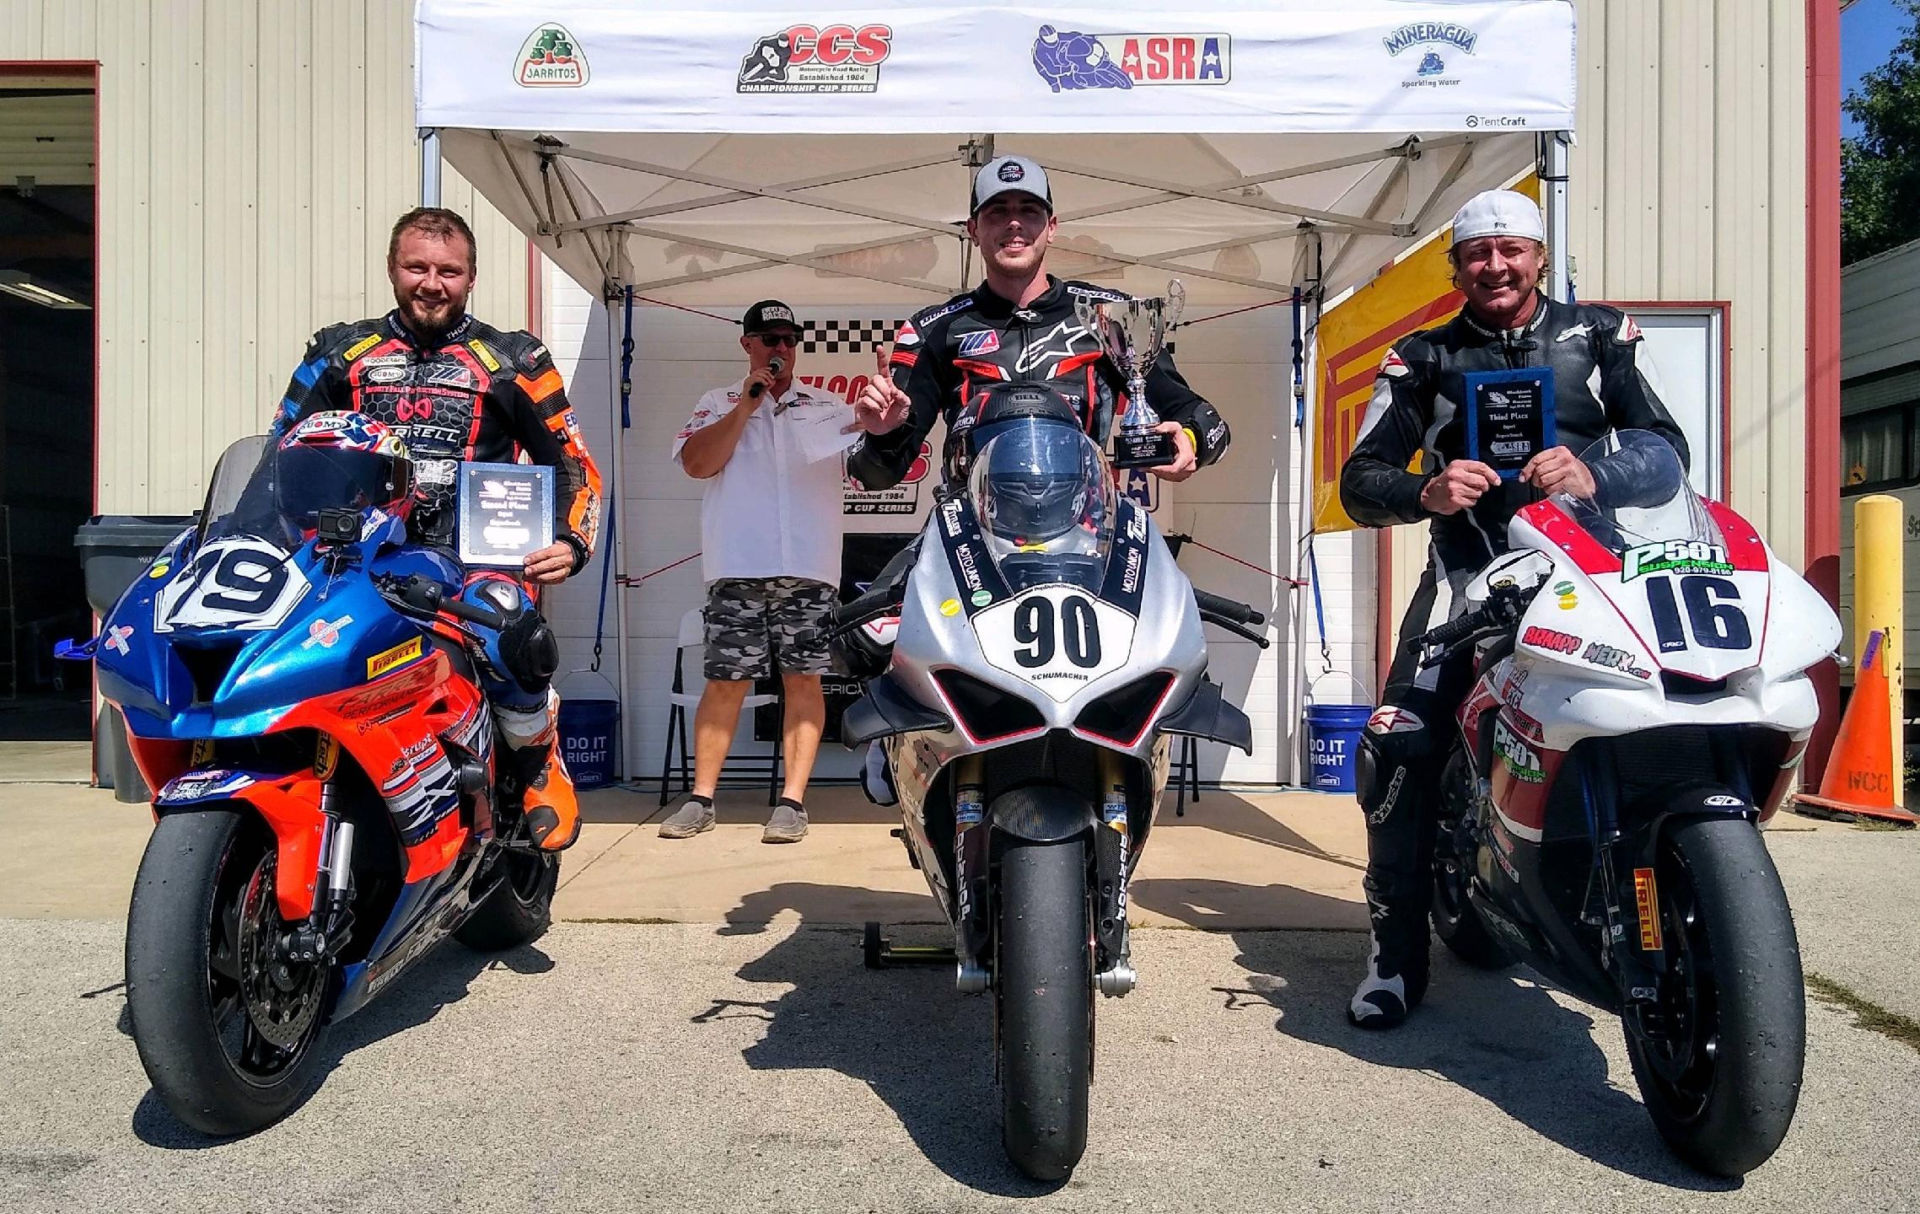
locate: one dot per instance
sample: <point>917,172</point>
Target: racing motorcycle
<point>1640,703</point>
<point>300,690</point>
<point>1043,651</point>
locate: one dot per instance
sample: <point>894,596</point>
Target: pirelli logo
<point>1647,898</point>
<point>485,355</point>
<point>362,346</point>
<point>399,655</point>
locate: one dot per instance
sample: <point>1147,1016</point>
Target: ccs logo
<point>809,59</point>
<point>1072,60</point>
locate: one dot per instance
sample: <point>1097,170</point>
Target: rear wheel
<point>1719,1059</point>
<point>520,908</point>
<point>226,1025</point>
<point>1044,982</point>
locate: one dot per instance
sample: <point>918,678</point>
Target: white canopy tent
<point>715,153</point>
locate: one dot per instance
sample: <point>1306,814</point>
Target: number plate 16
<point>1059,638</point>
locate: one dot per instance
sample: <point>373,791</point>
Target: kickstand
<point>879,953</point>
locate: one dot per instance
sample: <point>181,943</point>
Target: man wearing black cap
<point>769,452</point>
<point>1019,325</point>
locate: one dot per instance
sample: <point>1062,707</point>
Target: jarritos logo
<point>551,59</point>
<point>809,59</point>
<point>1072,60</point>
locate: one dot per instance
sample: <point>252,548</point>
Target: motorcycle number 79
<point>1713,613</point>
<point>233,583</point>
<point>1058,637</point>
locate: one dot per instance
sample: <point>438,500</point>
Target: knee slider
<point>528,647</point>
<point>1395,741</point>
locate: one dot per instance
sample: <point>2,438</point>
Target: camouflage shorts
<point>754,624</point>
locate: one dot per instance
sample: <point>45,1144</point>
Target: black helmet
<point>988,413</point>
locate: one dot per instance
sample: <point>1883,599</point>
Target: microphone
<point>776,366</point>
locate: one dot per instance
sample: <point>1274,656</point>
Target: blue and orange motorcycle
<point>299,687</point>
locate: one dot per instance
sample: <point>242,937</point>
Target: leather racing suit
<point>1600,385</point>
<point>478,394</point>
<point>945,354</point>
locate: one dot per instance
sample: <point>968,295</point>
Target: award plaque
<point>1131,334</point>
<point>1509,417</point>
<point>506,512</point>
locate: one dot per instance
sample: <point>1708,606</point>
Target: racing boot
<point>548,800</point>
<point>1396,978</point>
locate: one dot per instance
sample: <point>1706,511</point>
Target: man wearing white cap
<point>1420,406</point>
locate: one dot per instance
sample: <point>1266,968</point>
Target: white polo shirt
<point>774,510</point>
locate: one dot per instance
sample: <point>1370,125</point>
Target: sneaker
<point>1388,993</point>
<point>689,820</point>
<point>787,825</point>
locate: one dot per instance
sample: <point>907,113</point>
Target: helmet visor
<point>1046,504</point>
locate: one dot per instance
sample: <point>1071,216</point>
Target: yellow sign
<point>486,356</point>
<point>399,655</point>
<point>362,346</point>
<point>326,757</point>
<point>1414,293</point>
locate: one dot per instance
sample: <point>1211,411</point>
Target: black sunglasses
<point>773,341</point>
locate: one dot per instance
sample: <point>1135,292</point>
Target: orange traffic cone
<point>1859,779</point>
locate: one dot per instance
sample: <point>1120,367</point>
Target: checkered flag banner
<point>848,336</point>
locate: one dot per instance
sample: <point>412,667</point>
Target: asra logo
<point>809,59</point>
<point>1072,60</point>
<point>551,59</point>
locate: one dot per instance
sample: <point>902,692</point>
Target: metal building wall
<point>1689,183</point>
<point>253,154</point>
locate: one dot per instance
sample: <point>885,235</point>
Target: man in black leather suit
<point>1601,384</point>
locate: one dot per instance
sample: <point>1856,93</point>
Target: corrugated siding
<point>1689,183</point>
<point>1880,312</point>
<point>253,154</point>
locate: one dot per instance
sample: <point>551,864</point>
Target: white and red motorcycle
<point>1640,702</point>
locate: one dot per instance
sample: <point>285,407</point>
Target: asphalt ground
<point>754,1066</point>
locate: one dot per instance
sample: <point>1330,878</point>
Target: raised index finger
<point>882,356</point>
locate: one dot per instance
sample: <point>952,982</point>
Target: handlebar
<point>426,597</point>
<point>868,606</point>
<point>1226,609</point>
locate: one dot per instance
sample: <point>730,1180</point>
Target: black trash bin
<point>114,550</point>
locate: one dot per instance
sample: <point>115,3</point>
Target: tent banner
<point>1127,66</point>
<point>1354,337</point>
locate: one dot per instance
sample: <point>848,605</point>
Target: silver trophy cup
<point>1132,333</point>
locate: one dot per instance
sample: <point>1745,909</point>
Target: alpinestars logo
<point>551,59</point>
<point>805,59</point>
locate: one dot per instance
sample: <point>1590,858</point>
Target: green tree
<point>1880,168</point>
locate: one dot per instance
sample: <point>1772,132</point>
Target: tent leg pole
<point>429,167</point>
<point>629,722</point>
<point>1554,161</point>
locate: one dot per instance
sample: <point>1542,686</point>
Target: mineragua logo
<point>551,59</point>
<point>826,59</point>
<point>1417,33</point>
<point>1069,59</point>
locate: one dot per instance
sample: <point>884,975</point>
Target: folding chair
<point>682,705</point>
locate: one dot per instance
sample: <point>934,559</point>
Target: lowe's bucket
<point>590,739</point>
<point>1333,741</point>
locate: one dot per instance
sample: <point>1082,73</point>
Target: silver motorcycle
<point>1047,649</point>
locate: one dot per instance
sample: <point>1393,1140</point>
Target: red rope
<point>1278,577</point>
<point>1272,303</point>
<point>625,580</point>
<point>683,308</point>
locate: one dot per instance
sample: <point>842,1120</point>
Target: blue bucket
<point>1333,744</point>
<point>589,740</point>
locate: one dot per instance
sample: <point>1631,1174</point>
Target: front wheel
<point>1719,1059</point>
<point>1045,988</point>
<point>227,1026</point>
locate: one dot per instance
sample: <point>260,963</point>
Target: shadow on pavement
<point>1497,1035</point>
<point>1234,815</point>
<point>923,1049</point>
<point>438,979</point>
<point>1221,906</point>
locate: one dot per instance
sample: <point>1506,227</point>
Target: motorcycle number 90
<point>1056,637</point>
<point>233,583</point>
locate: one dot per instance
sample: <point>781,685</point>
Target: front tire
<point>1720,1068</point>
<point>1045,990</point>
<point>227,1030</point>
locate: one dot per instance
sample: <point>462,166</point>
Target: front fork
<point>1113,966</point>
<point>1631,946</point>
<point>972,926</point>
<point>326,931</point>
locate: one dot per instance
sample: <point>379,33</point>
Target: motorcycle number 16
<point>1713,613</point>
